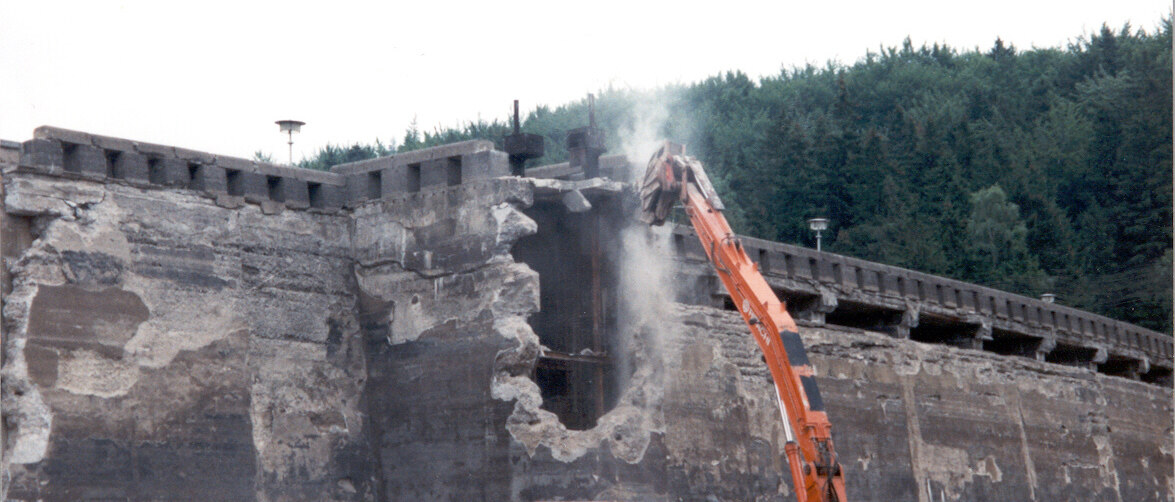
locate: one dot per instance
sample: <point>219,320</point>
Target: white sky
<point>214,75</point>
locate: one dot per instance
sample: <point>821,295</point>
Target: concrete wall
<point>166,342</point>
<point>158,345</point>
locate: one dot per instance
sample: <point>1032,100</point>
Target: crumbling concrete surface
<point>160,344</point>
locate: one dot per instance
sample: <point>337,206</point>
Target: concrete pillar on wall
<point>1047,344</point>
<point>817,310</point>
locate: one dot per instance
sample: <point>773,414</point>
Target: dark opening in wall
<point>274,186</point>
<point>314,192</point>
<point>413,177</point>
<point>234,183</point>
<point>453,170</point>
<point>1120,366</point>
<point>856,315</point>
<point>932,329</point>
<point>69,156</point>
<point>111,160</point>
<point>195,182</point>
<point>1071,355</point>
<point>374,185</point>
<point>1011,344</point>
<point>1156,375</point>
<point>577,319</point>
<point>155,172</point>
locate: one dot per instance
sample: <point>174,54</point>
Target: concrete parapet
<point>424,169</point>
<point>62,152</point>
<point>963,314</point>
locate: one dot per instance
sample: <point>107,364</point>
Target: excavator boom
<point>674,178</point>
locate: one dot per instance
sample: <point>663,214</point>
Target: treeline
<point>1032,171</point>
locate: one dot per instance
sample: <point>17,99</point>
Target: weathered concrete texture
<point>159,345</point>
<point>930,422</point>
<point>441,298</point>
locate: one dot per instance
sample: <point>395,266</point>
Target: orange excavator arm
<point>675,178</point>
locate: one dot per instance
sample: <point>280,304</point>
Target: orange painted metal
<point>815,471</point>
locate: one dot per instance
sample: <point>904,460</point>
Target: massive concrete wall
<point>181,341</point>
<point>158,345</point>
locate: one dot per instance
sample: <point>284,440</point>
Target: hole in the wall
<point>274,185</point>
<point>942,331</point>
<point>1071,355</point>
<point>69,156</point>
<point>1156,375</point>
<point>111,162</point>
<point>1006,343</point>
<point>413,181</point>
<point>857,315</point>
<point>195,182</point>
<point>155,172</point>
<point>374,185</point>
<point>234,182</point>
<point>314,193</point>
<point>577,377</point>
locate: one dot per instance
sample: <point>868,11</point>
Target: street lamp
<point>290,127</point>
<point>1048,298</point>
<point>818,225</point>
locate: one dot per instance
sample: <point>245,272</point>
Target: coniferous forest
<point>1032,171</point>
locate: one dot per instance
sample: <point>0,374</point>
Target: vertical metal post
<point>291,143</point>
<point>597,312</point>
<point>516,125</point>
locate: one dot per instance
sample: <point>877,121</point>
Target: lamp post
<point>818,225</point>
<point>290,127</point>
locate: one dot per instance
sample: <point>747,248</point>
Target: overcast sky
<point>214,76</point>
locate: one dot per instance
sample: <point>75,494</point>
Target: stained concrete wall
<point>158,346</point>
<point>163,343</point>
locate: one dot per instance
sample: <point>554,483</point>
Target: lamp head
<point>290,126</point>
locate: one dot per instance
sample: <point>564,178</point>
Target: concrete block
<point>1018,309</point>
<point>869,280</point>
<point>86,160</point>
<point>355,190</point>
<point>484,164</point>
<point>153,150</point>
<point>395,180</point>
<point>255,188</point>
<point>237,164</point>
<point>109,143</point>
<point>889,283</point>
<point>824,268</point>
<point>45,154</point>
<point>130,166</point>
<point>966,299</point>
<point>195,156</point>
<point>949,296</point>
<point>168,171</point>
<point>65,135</point>
<point>435,173</point>
<point>327,197</point>
<point>208,178</point>
<point>295,193</point>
